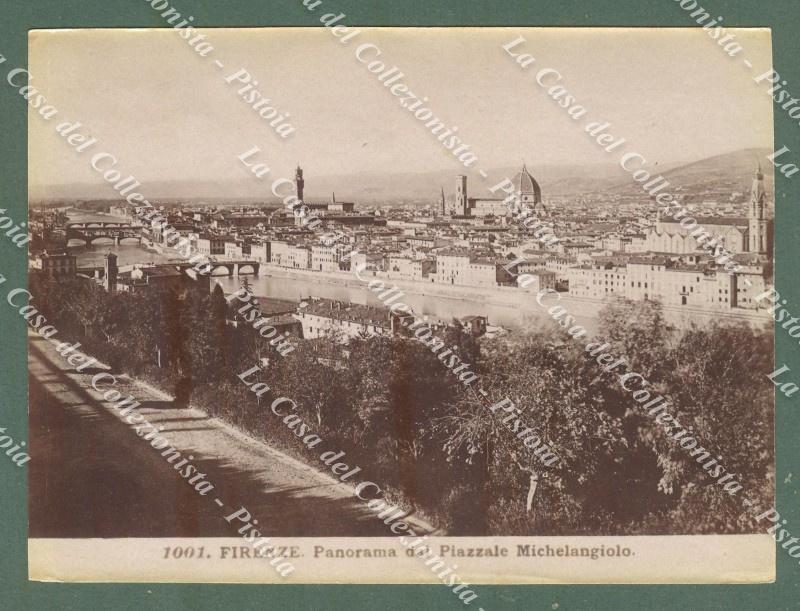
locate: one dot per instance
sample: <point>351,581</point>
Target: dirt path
<point>92,476</point>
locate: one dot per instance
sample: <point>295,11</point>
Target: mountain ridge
<point>725,172</point>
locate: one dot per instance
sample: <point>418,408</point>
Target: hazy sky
<point>167,113</point>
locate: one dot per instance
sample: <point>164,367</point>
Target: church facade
<point>752,234</point>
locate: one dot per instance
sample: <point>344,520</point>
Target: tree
<point>552,392</point>
<point>466,345</point>
<point>638,331</point>
<point>719,390</point>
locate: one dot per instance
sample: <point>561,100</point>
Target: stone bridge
<point>235,268</point>
<point>89,232</point>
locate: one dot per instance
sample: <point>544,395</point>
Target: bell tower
<point>462,204</point>
<point>110,273</point>
<point>757,223</point>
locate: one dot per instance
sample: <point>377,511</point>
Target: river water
<point>527,315</point>
<point>93,256</point>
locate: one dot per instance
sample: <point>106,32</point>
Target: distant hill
<point>726,173</point>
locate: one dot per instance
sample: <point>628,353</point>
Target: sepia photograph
<point>341,304</point>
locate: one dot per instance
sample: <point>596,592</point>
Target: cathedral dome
<point>526,185</point>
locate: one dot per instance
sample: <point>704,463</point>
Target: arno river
<point>524,314</point>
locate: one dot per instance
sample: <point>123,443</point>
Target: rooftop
<point>340,310</point>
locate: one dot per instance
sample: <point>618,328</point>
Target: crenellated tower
<point>299,182</point>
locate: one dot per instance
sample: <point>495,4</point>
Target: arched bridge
<point>234,268</point>
<point>89,232</point>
